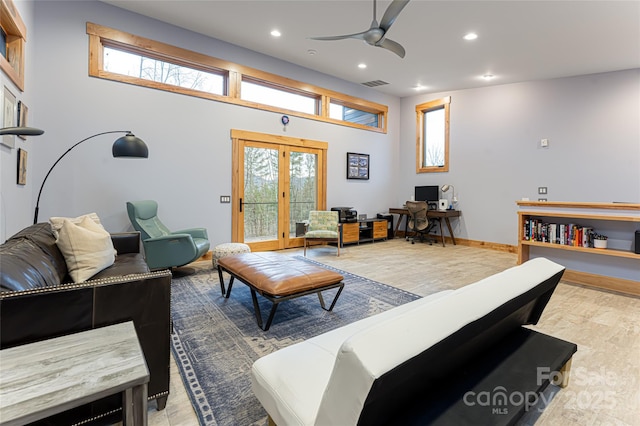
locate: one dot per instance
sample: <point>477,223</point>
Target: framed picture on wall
<point>22,166</point>
<point>8,117</point>
<point>357,166</point>
<point>23,111</point>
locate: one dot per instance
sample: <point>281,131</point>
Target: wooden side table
<point>41,379</point>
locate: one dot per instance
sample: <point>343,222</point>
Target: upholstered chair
<point>323,226</point>
<point>164,248</point>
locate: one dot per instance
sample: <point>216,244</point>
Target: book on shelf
<point>569,234</point>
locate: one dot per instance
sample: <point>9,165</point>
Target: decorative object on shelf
<point>357,166</point>
<point>23,111</point>
<point>599,241</point>
<point>8,117</point>
<point>446,188</point>
<point>125,146</point>
<point>22,166</point>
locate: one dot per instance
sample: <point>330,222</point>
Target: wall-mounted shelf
<point>605,215</point>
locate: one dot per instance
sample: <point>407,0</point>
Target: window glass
<point>352,115</point>
<point>434,138</point>
<point>134,65</point>
<point>118,56</point>
<point>255,92</point>
<point>432,149</point>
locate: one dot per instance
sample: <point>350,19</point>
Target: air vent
<point>374,83</point>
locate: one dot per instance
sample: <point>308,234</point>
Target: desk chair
<point>419,223</point>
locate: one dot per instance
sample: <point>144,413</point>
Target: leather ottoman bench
<point>278,278</point>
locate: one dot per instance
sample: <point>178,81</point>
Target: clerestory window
<point>128,58</point>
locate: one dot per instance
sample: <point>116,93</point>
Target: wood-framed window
<point>432,136</point>
<point>13,35</point>
<point>297,98</point>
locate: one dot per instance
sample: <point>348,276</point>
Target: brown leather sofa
<point>39,301</point>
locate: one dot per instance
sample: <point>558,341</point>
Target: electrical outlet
<point>542,190</point>
<point>542,199</point>
<point>225,198</point>
<point>544,143</point>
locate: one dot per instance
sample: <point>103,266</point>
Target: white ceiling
<point>517,40</point>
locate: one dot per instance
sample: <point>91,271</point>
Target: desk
<point>442,214</point>
<point>41,379</point>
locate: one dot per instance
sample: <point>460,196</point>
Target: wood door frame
<point>238,138</point>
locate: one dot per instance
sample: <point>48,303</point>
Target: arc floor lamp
<point>125,146</point>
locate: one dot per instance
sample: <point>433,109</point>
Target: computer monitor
<point>429,193</point>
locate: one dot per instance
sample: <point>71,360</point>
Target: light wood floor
<point>604,388</point>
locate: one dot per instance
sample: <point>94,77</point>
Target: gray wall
<point>593,126</point>
<point>592,123</point>
<point>189,138</point>
<point>15,200</point>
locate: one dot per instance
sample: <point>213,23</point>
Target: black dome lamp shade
<point>126,146</point>
<point>21,131</point>
<point>130,146</point>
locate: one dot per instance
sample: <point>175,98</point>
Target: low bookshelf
<point>619,219</point>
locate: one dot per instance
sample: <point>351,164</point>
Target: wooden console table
<point>442,214</point>
<point>41,379</point>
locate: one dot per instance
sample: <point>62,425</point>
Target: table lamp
<point>448,187</point>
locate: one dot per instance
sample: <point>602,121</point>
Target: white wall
<point>189,166</point>
<point>593,126</point>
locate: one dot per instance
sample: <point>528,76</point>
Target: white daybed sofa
<point>422,362</point>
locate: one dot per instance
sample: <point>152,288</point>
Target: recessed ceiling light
<point>276,33</point>
<point>488,77</point>
<point>419,87</point>
<point>470,36</point>
<point>362,66</point>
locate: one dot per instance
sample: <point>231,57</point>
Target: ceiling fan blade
<point>392,13</point>
<point>359,36</point>
<point>392,46</point>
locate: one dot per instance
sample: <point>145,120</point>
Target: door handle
<point>240,205</point>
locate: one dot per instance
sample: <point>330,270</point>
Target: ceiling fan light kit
<point>376,35</point>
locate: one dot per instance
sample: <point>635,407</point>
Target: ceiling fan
<point>376,35</point>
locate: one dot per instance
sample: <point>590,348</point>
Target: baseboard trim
<point>620,285</point>
<point>473,243</point>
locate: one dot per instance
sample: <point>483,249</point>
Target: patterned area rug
<point>216,340</point>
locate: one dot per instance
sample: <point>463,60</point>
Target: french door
<point>276,181</point>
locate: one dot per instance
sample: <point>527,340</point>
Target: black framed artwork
<point>357,166</point>
<point>22,167</point>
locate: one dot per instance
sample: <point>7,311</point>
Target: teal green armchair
<point>164,248</point>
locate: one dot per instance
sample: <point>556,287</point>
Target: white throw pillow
<point>86,246</point>
<point>56,222</point>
